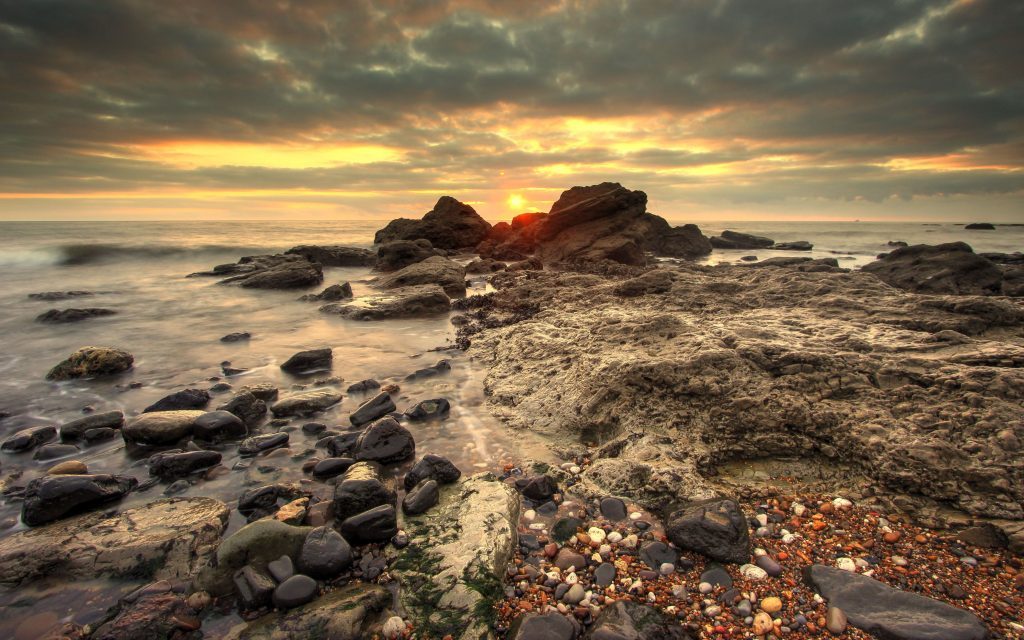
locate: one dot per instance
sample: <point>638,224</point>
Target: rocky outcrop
<point>332,293</point>
<point>392,256</point>
<point>168,538</point>
<point>335,255</point>
<point>63,316</point>
<point>736,240</point>
<point>354,612</point>
<point>404,302</point>
<point>92,362</point>
<point>448,274</point>
<point>28,439</point>
<point>451,572</point>
<point>449,225</point>
<point>951,268</point>
<point>269,272</point>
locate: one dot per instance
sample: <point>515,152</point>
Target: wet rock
<point>613,508</point>
<point>238,336</point>
<point>294,512</point>
<point>281,569</point>
<point>54,451</point>
<point>980,226</point>
<point>985,535</point>
<point>92,362</point>
<point>353,612</point>
<point>324,554</point>
<point>886,612</point>
<point>361,488</point>
<point>185,399</point>
<point>604,574</point>
<point>378,524</point>
<point>28,439</point>
<point>309,361</point>
<point>254,587</point>
<point>567,558</point>
<point>951,268</point>
<point>63,316</point>
<point>405,302</point>
<point>260,498</point>
<point>68,468</point>
<point>168,538</point>
<point>438,368</point>
<point>160,427</point>
<point>59,295</point>
<point>247,406</point>
<point>715,528</point>
<point>294,592</point>
<point>716,575</point>
<point>537,488</point>
<point>75,429</point>
<point>168,465</point>
<point>363,386</point>
<point>215,426</point>
<point>156,616</point>
<point>334,255</point>
<point>448,274</point>
<point>769,565</point>
<point>799,245</point>
<point>392,256</point>
<point>262,390</point>
<point>385,441</point>
<point>627,620</point>
<point>543,626</point>
<point>306,403</point>
<point>656,553</point>
<point>377,406</point>
<point>341,446</point>
<point>423,496</point>
<point>736,240</point>
<point>270,272</point>
<point>54,497</point>
<point>431,467</point>
<point>449,225</point>
<point>565,528</point>
<point>258,444</point>
<point>429,409</point>
<point>256,544</point>
<point>98,435</point>
<point>331,467</point>
<point>333,293</point>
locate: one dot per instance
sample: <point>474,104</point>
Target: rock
<point>75,429</point>
<point>264,391</point>
<point>485,265</point>
<point>340,446</point>
<point>218,425</point>
<point>437,408</point>
<point>54,451</point>
<point>565,528</point>
<point>985,535</point>
<point>423,496</point>
<point>92,362</point>
<point>258,444</point>
<point>62,316</point>
<point>653,282</point>
<point>68,468</point>
<point>438,368</point>
<point>737,240</point>
<point>186,399</point>
<point>294,512</point>
<point>306,403</point>
<point>980,226</point>
<point>613,509</point>
<point>256,544</point>
<point>393,628</point>
<point>449,225</point>
<point>567,558</point>
<point>238,336</point>
<point>431,467</point>
<point>281,569</point>
<point>353,612</point>
<point>363,386</point>
<point>270,272</point>
<point>98,435</point>
<point>627,620</point>
<point>54,497</point>
<point>59,295</point>
<point>886,612</point>
<point>334,255</point>
<point>377,406</point>
<point>543,626</point>
<point>835,620</point>
<point>763,624</point>
<point>715,528</point>
<point>294,592</point>
<point>451,574</point>
<point>537,488</point>
<point>254,587</point>
<point>406,302</point>
<point>385,441</point>
<point>378,524</point>
<point>574,594</point>
<point>604,574</point>
<point>172,464</point>
<point>771,604</point>
<point>332,293</point>
<point>249,408</point>
<point>260,498</point>
<point>656,553</point>
<point>324,554</point>
<point>309,361</point>
<point>951,268</point>
<point>799,245</point>
<point>769,565</point>
<point>160,427</point>
<point>392,256</point>
<point>360,489</point>
<point>28,439</point>
<point>448,274</point>
<point>157,616</point>
<point>168,538</point>
<point>331,467</point>
<point>715,575</point>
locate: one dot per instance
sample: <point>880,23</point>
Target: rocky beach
<point>588,422</point>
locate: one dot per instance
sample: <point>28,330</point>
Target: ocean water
<point>172,325</point>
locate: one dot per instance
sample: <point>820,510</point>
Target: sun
<point>516,202</point>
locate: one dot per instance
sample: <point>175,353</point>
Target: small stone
<point>613,509</point>
<point>604,574</point>
<point>393,627</point>
<point>753,572</point>
<point>575,594</point>
<point>763,624</point>
<point>835,620</point>
<point>295,591</point>
<point>67,468</point>
<point>281,569</point>
<point>846,564</point>
<point>771,604</point>
<point>667,568</point>
<point>596,534</point>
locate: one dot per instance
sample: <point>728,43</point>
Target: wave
<point>95,253</point>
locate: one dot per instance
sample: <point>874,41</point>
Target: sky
<point>367,109</point>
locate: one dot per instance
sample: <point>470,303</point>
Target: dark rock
<point>543,626</point>
<point>406,302</point>
<point>363,386</point>
<point>448,274</point>
<point>258,444</point>
<point>449,225</point>
<point>294,592</point>
<point>393,256</point>
<point>342,446</point>
<point>376,525</point>
<point>259,499</point>
<point>53,451</point>
<point>30,438</point>
<point>431,467</point>
<point>770,566</point>
<point>980,226</point>
<point>325,554</point>
<point>799,245</point>
<point>247,406</point>
<point>256,544</point>
<point>429,409</point>
<point>889,613</point>
<point>186,399</point>
<point>61,316</point>
<point>306,403</point>
<point>59,295</point>
<point>656,553</point>
<point>361,488</point>
<point>353,612</point>
<point>440,367</point>
<point>53,497</point>
<point>155,615</point>
<point>715,528</point>
<point>565,528</point>
<point>92,362</point>
<point>951,268</point>
<point>309,361</point>
<point>985,535</point>
<point>313,428</point>
<point>75,429</point>
<point>537,488</point>
<point>99,434</point>
<point>218,425</point>
<point>334,255</point>
<point>716,575</point>
<point>264,391</point>
<point>737,240</point>
<point>254,587</point>
<point>160,427</point>
<point>569,558</point>
<point>238,336</point>
<point>173,464</point>
<point>281,569</point>
<point>604,574</point>
<point>331,467</point>
<point>377,406</point>
<point>613,508</point>
<point>424,496</point>
<point>270,272</point>
<point>627,620</point>
<point>332,293</point>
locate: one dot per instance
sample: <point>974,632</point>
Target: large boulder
<point>405,302</point>
<point>335,255</point>
<point>392,256</point>
<point>269,272</point>
<point>309,361</point>
<point>51,498</point>
<point>450,275</point>
<point>452,571</point>
<point>385,441</point>
<point>353,612</point>
<point>951,268</point>
<point>449,225</point>
<point>159,428</point>
<point>736,240</point>
<point>889,613</point>
<point>305,403</point>
<point>168,538</point>
<point>715,528</point>
<point>92,362</point>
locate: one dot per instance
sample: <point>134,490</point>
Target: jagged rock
<point>431,467</point>
<point>306,403</point>
<point>332,293</point>
<point>438,368</point>
<point>269,272</point>
<point>254,587</point>
<point>54,497</point>
<point>30,438</point>
<point>62,316</point>
<point>309,361</point>
<point>335,255</point>
<point>249,408</point>
<point>405,302</point>
<point>485,265</point>
<point>449,225</point>
<point>353,612</point>
<point>185,399</point>
<point>162,615</point>
<point>92,362</point>
<point>448,274</point>
<point>160,427</point>
<point>361,488</point>
<point>75,429</point>
<point>385,441</point>
<point>736,240</point>
<point>392,256</point>
<point>951,268</point>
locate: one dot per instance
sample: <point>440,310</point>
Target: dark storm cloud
<point>853,84</point>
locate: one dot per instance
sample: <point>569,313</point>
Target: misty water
<point>172,325</point>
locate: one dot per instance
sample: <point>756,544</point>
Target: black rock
<point>314,428</point>
<point>377,406</point>
<point>385,441</point>
<point>980,226</point>
<point>613,509</point>
<point>333,293</point>
<point>238,336</point>
<point>324,554</point>
<point>29,438</point>
<point>259,499</point>
<point>281,569</point>
<point>333,255</point>
<point>364,386</point>
<point>262,390</point>
<point>604,574</point>
<point>715,528</point>
<point>565,528</point>
<point>259,444</point>
<point>218,425</point>
<point>798,245</point>
<point>442,366</point>
<point>360,489</point>
<point>173,464</point>
<point>376,525</point>
<point>770,566</point>
<point>254,587</point>
<point>309,361</point>
<point>341,446</point>
<point>62,316</point>
<point>59,295</point>
<point>543,626</point>
<point>736,240</point>
<point>423,496</point>
<point>54,450</point>
<point>431,467</point>
<point>951,268</point>
<point>657,553</point>
<point>53,497</point>
<point>537,488</point>
<point>247,407</point>
<point>429,409</point>
<point>716,575</point>
<point>330,467</point>
<point>75,429</point>
<point>186,399</point>
<point>99,434</point>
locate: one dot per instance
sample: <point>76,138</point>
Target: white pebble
<point>529,515</point>
<point>393,627</point>
<point>758,552</point>
<point>614,537</point>
<point>798,509</point>
<point>651,597</point>
<point>712,611</point>
<point>762,519</point>
<point>537,526</point>
<point>596,534</point>
<point>636,515</point>
<point>705,587</point>
<point>667,568</point>
<point>788,538</point>
<point>630,541</point>
<point>604,550</point>
<point>596,557</point>
<point>574,469</point>
<point>899,561</point>
<point>572,578</point>
<point>841,503</point>
<point>753,572</point>
<point>846,564</point>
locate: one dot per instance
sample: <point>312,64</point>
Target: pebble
<point>744,608</point>
<point>846,564</point>
<point>713,611</point>
<point>596,535</point>
<point>575,594</point>
<point>393,627</point>
<point>604,574</point>
<point>68,468</point>
<point>771,604</point>
<point>835,620</point>
<point>763,624</point>
<point>198,600</point>
<point>295,591</point>
<point>705,587</point>
<point>753,572</point>
<point>614,537</point>
<point>667,568</point>
<point>529,515</point>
